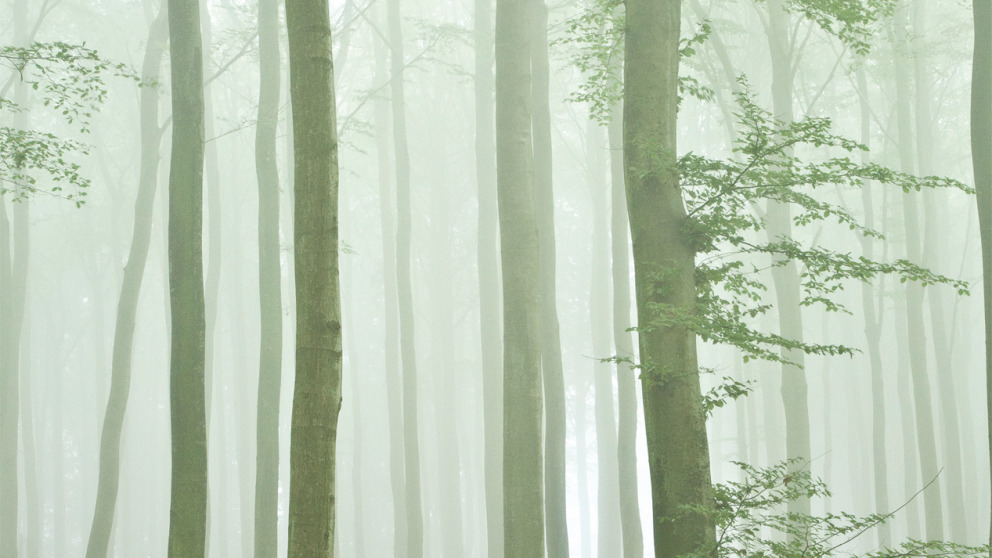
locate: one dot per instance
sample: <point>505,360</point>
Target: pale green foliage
<point>749,520</point>
<point>68,79</point>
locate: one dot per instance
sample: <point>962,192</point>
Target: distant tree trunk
<point>786,277</point>
<point>556,532</point>
<point>489,288</point>
<point>981,157</point>
<point>317,391</point>
<point>873,333</point>
<point>664,270</point>
<point>523,487</point>
<point>13,276</point>
<point>608,492</point>
<point>32,492</point>
<point>188,508</point>
<point>266,520</point>
<point>922,399</point>
<point>408,355</point>
<point>630,513</point>
<point>127,305</point>
<point>394,378</point>
<point>582,464</point>
<point>951,478</point>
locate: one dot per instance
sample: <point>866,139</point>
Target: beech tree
<point>317,391</point>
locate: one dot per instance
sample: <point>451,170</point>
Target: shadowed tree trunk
<point>523,487</point>
<point>127,305</point>
<point>317,390</point>
<point>981,157</point>
<point>664,269</point>
<point>188,508</point>
<point>269,287</point>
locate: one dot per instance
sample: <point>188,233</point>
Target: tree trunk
<point>608,492</point>
<point>408,355</point>
<point>266,535</point>
<point>523,489</point>
<point>922,399</point>
<point>664,269</point>
<point>489,288</point>
<point>981,157</point>
<point>786,277</point>
<point>188,508</point>
<point>630,512</point>
<point>317,391</point>
<point>556,534</point>
<point>127,305</point>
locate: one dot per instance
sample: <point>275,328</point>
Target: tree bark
<point>981,157</point>
<point>187,512</point>
<point>664,268</point>
<point>317,390</point>
<point>266,505</point>
<point>523,489</point>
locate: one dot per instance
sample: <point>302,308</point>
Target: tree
<point>317,390</point>
<point>553,377</point>
<point>127,304</point>
<point>188,508</point>
<point>489,288</point>
<point>269,284</point>
<point>664,272</point>
<point>981,157</point>
<point>523,490</point>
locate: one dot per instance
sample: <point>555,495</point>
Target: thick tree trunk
<point>127,305</point>
<point>408,355</point>
<point>922,399</point>
<point>981,157</point>
<point>317,390</point>
<point>269,287</point>
<point>664,270</point>
<point>556,533</point>
<point>630,513</point>
<point>489,287</point>
<point>187,512</point>
<point>523,487</point>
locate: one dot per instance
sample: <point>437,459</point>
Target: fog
<point>888,371</point>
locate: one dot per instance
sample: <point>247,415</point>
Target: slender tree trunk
<point>556,533</point>
<point>394,377</point>
<point>317,391</point>
<point>608,531</point>
<point>408,355</point>
<point>786,277</point>
<point>35,504</point>
<point>127,305</point>
<point>630,512</point>
<point>523,487</point>
<point>266,536</point>
<point>188,508</point>
<point>664,269</point>
<point>873,333</point>
<point>489,288</point>
<point>922,399</point>
<point>981,157</point>
<point>582,464</point>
